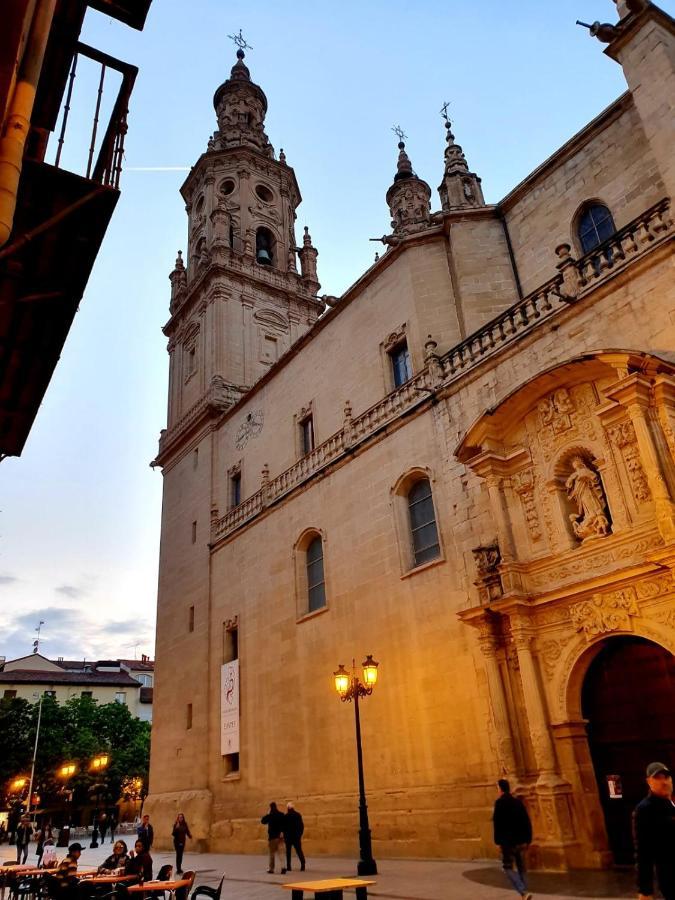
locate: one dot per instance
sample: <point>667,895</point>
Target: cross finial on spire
<point>444,110</point>
<point>399,132</point>
<point>240,41</point>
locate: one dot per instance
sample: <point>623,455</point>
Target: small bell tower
<point>240,302</point>
<point>408,197</point>
<point>460,188</point>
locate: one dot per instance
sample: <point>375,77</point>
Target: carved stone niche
<point>488,581</point>
<point>581,495</point>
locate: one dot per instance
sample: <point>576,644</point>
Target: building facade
<point>125,681</point>
<point>465,466</point>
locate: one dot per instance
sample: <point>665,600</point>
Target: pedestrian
<point>24,831</point>
<point>180,834</point>
<point>139,862</point>
<point>112,825</point>
<point>39,850</point>
<point>3,833</point>
<point>146,833</point>
<point>512,834</point>
<point>66,874</point>
<point>294,828</point>
<point>103,825</point>
<point>116,860</point>
<point>654,830</point>
<point>274,820</point>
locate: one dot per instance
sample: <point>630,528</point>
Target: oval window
<point>227,187</point>
<point>264,193</point>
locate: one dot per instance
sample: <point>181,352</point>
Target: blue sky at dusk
<point>80,510</point>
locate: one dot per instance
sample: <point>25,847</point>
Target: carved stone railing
<point>575,279</point>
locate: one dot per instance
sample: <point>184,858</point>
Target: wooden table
<point>108,879</point>
<point>159,886</point>
<point>331,888</point>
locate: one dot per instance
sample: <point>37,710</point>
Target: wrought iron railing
<point>105,166</point>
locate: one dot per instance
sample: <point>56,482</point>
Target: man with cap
<point>654,828</point>
<point>66,874</point>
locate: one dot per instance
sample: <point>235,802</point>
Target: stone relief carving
<point>623,437</point>
<point>584,488</point>
<point>523,483</point>
<point>488,582</point>
<point>605,612</point>
<point>667,618</point>
<point>550,652</point>
<point>555,410</point>
<point>250,427</point>
<point>396,337</point>
<point>596,561</point>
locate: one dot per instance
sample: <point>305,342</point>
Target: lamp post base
<point>366,867</point>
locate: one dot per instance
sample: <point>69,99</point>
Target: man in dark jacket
<point>275,821</point>
<point>294,828</point>
<point>146,833</point>
<point>654,829</point>
<point>513,833</point>
<point>24,832</point>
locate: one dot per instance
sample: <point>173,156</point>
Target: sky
<point>80,509</point>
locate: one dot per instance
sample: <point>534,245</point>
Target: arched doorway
<point>628,697</point>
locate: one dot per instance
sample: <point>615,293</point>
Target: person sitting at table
<point>66,875</point>
<point>165,873</point>
<point>117,859</point>
<point>139,862</point>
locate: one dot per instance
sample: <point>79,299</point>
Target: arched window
<point>316,584</point>
<point>423,531</point>
<point>595,226</point>
<point>264,247</point>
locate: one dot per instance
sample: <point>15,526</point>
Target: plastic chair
<point>211,893</point>
<point>182,893</point>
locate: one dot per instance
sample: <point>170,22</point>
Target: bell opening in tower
<point>264,247</point>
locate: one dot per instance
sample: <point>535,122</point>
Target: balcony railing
<point>105,155</point>
<point>575,279</point>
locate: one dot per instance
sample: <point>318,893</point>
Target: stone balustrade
<point>575,279</point>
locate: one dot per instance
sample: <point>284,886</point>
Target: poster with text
<point>229,708</point>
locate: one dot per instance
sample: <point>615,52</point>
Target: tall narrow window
<point>191,619</point>
<point>400,363</point>
<point>316,585</point>
<point>188,717</point>
<point>307,435</point>
<point>235,489</point>
<point>596,225</point>
<point>194,532</point>
<point>195,457</point>
<point>121,697</point>
<point>423,522</point>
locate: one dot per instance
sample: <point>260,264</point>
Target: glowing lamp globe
<point>369,671</point>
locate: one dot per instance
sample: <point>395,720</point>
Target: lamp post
<point>66,771</point>
<point>98,765</point>
<point>351,687</point>
<point>35,745</point>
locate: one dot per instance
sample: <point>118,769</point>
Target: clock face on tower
<point>250,427</point>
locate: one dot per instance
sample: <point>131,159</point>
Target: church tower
<point>240,302</point>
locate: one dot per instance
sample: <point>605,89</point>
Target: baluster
<point>95,124</point>
<point>66,110</point>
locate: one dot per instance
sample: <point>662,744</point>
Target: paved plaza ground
<point>399,879</point>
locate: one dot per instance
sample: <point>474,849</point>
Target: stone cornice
<point>631,24</point>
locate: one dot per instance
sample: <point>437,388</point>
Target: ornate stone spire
<point>178,279</point>
<point>308,255</point>
<point>408,197</point>
<point>460,187</point>
<point>240,108</point>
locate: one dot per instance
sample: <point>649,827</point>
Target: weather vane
<point>399,132</point>
<point>444,110</point>
<point>240,41</point>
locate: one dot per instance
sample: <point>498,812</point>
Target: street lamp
<point>98,765</point>
<point>66,771</point>
<point>37,735</point>
<point>350,687</point>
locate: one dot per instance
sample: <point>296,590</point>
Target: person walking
<point>294,828</point>
<point>146,833</point>
<point>274,820</point>
<point>24,831</point>
<point>103,825</point>
<point>654,832</point>
<point>512,834</point>
<point>180,834</point>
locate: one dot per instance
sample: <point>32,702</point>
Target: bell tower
<point>240,302</point>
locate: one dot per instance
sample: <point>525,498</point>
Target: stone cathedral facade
<point>465,465</point>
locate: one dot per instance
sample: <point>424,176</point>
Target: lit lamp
<point>18,785</point>
<point>66,771</point>
<point>351,687</point>
<point>98,765</point>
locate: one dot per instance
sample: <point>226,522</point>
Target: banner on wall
<point>229,708</point>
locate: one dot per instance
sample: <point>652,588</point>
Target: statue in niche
<point>584,488</point>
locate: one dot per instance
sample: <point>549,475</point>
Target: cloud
<point>69,590</point>
<point>8,579</point>
<point>77,634</point>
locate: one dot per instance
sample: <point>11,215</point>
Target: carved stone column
<point>540,735</point>
<point>489,645</point>
<point>495,485</point>
<point>634,393</point>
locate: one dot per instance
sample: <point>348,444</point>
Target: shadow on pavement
<point>612,883</point>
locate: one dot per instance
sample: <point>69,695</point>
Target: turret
<point>408,197</point>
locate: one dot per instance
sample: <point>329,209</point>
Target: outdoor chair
<point>182,893</point>
<point>211,893</point>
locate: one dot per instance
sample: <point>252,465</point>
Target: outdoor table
<point>159,886</point>
<point>330,888</point>
<point>108,879</point>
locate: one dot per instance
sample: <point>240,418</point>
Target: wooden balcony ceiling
<point>41,285</point>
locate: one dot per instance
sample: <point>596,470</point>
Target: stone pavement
<point>398,879</point>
